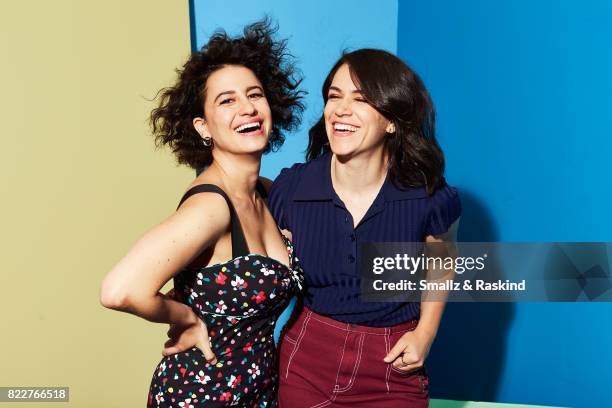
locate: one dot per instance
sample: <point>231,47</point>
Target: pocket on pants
<point>290,344</point>
<point>416,381</point>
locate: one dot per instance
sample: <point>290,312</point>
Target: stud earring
<point>207,141</point>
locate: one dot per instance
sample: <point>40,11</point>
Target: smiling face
<point>353,126</point>
<point>236,113</point>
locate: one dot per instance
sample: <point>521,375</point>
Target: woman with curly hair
<point>374,173</point>
<point>233,269</point>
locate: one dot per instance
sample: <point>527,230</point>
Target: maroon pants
<point>326,363</point>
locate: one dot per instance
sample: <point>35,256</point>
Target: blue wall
<point>523,93</point>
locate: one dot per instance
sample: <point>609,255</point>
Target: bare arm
<point>431,311</point>
<point>133,285</point>
<point>411,350</point>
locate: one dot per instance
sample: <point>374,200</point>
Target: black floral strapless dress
<point>240,301</point>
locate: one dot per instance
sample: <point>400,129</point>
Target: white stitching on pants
<point>322,404</point>
<point>388,371</point>
<point>290,340</point>
<point>355,367</point>
<point>297,343</point>
<point>339,367</point>
<point>401,372</point>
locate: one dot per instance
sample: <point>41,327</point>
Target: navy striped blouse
<point>302,200</point>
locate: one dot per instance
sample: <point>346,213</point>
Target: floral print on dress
<point>239,301</point>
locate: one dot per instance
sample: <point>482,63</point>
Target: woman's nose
<point>247,108</point>
<point>343,108</point>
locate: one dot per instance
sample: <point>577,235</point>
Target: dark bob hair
<point>397,93</point>
<point>172,120</point>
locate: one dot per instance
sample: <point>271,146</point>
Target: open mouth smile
<point>344,129</point>
<point>250,128</point>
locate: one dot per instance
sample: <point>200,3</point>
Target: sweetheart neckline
<point>231,261</point>
<point>291,258</point>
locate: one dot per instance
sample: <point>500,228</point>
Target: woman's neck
<point>238,173</point>
<point>359,174</point>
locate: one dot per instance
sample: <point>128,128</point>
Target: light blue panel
<point>318,31</point>
<point>523,92</point>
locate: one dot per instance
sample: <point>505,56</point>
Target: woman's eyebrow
<point>224,93</point>
<point>250,88</point>
<point>335,88</point>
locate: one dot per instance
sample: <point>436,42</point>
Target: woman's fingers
<point>409,368</point>
<point>409,358</point>
<point>208,353</point>
<point>395,352</point>
<point>171,348</point>
<point>182,339</point>
<point>205,346</point>
<point>407,361</point>
<point>169,351</point>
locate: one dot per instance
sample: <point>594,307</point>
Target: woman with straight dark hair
<point>233,270</point>
<point>374,173</point>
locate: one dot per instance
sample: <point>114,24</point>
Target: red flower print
<point>260,297</point>
<point>221,278</point>
<point>234,381</point>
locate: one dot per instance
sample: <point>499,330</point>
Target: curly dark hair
<point>172,120</point>
<point>397,93</point>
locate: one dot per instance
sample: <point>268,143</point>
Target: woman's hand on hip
<point>183,337</point>
<point>410,351</point>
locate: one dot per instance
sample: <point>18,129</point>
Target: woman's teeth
<point>344,128</point>
<point>247,127</point>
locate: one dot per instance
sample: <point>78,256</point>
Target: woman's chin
<point>342,149</point>
<point>253,146</point>
<point>256,151</point>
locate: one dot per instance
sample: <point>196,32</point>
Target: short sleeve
<point>445,209</point>
<point>279,196</point>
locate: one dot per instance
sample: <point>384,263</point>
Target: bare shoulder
<point>208,207</point>
<point>202,212</point>
<point>205,205</point>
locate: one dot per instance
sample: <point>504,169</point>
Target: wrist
<point>427,330</point>
<point>187,316</point>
